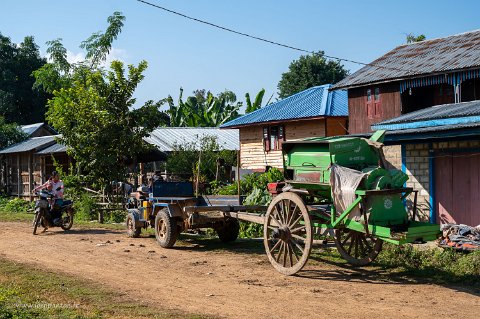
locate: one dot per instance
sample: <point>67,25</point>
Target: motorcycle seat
<point>66,203</point>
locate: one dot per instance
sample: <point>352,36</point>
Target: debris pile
<point>460,237</point>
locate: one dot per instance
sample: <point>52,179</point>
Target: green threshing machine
<point>339,184</point>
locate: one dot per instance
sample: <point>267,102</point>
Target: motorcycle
<point>51,212</point>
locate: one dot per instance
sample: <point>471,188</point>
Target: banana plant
<point>257,104</point>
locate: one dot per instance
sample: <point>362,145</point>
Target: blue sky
<point>183,53</point>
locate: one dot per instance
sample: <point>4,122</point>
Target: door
<point>457,188</point>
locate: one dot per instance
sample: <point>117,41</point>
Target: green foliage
<point>183,160</point>
<point>203,109</point>
<point>250,230</point>
<point>308,71</point>
<point>93,108</point>
<point>444,265</point>
<point>20,103</point>
<point>257,104</point>
<point>17,205</point>
<point>411,38</point>
<point>252,181</point>
<point>258,197</point>
<point>10,134</point>
<point>84,207</point>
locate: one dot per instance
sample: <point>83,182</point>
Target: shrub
<point>17,205</point>
<point>252,181</point>
<point>85,207</point>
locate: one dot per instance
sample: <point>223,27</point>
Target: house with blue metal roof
<point>426,96</point>
<point>314,112</point>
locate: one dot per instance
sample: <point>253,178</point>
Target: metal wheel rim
<point>287,233</point>
<point>130,224</point>
<point>161,228</point>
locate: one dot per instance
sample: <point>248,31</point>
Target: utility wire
<point>266,40</point>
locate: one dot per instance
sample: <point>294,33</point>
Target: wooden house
<point>425,95</point>
<point>315,112</point>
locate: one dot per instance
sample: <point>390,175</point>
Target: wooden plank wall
<point>391,106</point>
<point>252,154</point>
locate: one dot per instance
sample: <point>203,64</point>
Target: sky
<point>187,54</point>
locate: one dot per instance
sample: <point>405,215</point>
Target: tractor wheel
<point>166,231</point>
<point>287,233</point>
<point>132,231</point>
<point>355,247</point>
<point>229,231</point>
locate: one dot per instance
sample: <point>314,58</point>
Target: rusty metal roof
<point>436,56</point>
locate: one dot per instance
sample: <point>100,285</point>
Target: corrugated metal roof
<point>439,115</point>
<point>32,128</point>
<point>53,149</point>
<point>165,138</point>
<point>31,144</point>
<point>313,102</point>
<point>456,52</point>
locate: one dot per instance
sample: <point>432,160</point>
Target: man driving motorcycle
<point>56,187</point>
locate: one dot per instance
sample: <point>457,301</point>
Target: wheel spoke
<point>286,210</point>
<point>279,251</point>
<point>295,253</point>
<point>296,221</point>
<point>298,229</point>
<point>292,215</point>
<point>298,237</point>
<point>275,246</point>
<point>346,238</point>
<point>285,254</point>
<point>290,254</point>
<point>299,247</point>
<point>351,245</point>
<point>276,217</point>
<point>367,244</point>
<point>356,246</point>
<point>281,212</point>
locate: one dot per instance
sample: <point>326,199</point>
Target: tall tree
<point>19,101</point>
<point>93,108</point>
<point>411,38</point>
<point>308,71</point>
<point>10,133</point>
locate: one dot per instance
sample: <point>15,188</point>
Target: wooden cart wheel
<point>357,248</point>
<point>287,233</point>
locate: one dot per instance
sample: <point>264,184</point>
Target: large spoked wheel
<point>166,231</point>
<point>287,233</point>
<point>357,248</point>
<point>67,221</point>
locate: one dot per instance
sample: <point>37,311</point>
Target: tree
<point>308,71</point>
<point>257,104</point>
<point>19,101</point>
<point>10,133</point>
<point>203,109</point>
<point>411,38</point>
<point>93,108</point>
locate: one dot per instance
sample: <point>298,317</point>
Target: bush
<point>252,181</point>
<point>85,207</point>
<point>444,264</point>
<point>15,205</point>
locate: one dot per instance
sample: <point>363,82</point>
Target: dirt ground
<point>229,283</point>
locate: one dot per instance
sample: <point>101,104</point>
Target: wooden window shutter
<point>281,133</point>
<point>266,139</point>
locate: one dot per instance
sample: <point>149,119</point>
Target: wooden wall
<point>391,106</point>
<point>252,153</point>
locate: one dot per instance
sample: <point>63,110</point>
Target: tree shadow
<point>381,274</point>
<point>57,231</point>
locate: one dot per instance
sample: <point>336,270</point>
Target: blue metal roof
<point>31,144</point>
<point>313,102</point>
<point>435,116</point>
<point>32,128</point>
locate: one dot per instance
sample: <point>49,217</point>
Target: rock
<point>126,250</point>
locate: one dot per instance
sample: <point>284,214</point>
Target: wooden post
<point>238,179</point>
<point>19,177</point>
<point>30,175</point>
<point>198,172</point>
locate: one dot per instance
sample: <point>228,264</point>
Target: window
<point>373,105</point>
<point>273,136</point>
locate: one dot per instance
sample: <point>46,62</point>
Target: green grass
<point>26,292</point>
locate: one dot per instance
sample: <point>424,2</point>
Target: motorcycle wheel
<point>36,221</point>
<point>67,223</point>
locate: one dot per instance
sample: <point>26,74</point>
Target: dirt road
<point>229,284</point>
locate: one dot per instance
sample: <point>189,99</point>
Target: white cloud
<point>75,57</point>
